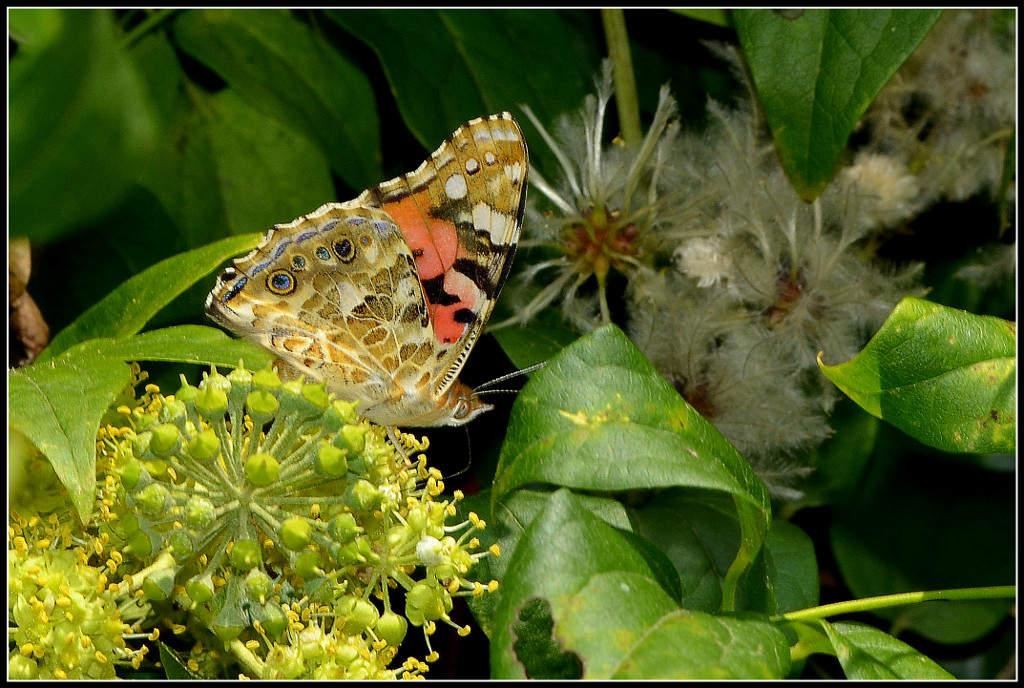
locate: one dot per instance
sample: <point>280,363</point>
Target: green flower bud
<point>352,437</point>
<point>211,402</point>
<point>181,544</point>
<point>360,615</point>
<point>129,524</point>
<point>173,411</point>
<point>261,405</point>
<point>261,469</point>
<point>141,544</point>
<point>200,588</point>
<point>316,395</point>
<point>199,513</point>
<point>431,603</point>
<point>153,498</point>
<point>266,378</point>
<point>362,496</point>
<point>166,439</point>
<point>246,555</point>
<point>204,446</point>
<point>186,393</point>
<point>417,518</point>
<point>130,473</point>
<point>259,585</point>
<point>392,627</point>
<point>240,377</point>
<point>347,411</point>
<point>343,528</point>
<point>273,618</point>
<point>295,533</point>
<point>332,460</point>
<point>307,564</point>
<point>20,667</point>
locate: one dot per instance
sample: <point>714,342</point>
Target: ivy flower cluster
<point>726,279</point>
<point>289,538</point>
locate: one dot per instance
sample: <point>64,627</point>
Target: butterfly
<point>383,297</point>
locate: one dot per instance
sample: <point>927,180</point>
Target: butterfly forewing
<point>384,296</point>
<point>460,213</point>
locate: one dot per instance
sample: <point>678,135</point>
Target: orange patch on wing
<point>434,243</point>
<point>447,329</point>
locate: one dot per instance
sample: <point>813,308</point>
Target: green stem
<point>898,600</point>
<point>622,71</point>
<point>147,25</point>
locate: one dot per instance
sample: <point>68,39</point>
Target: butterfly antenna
<point>490,383</point>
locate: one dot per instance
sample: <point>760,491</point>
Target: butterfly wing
<point>335,295</point>
<point>460,213</point>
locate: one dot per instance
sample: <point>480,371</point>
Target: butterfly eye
<point>281,282</point>
<point>460,410</point>
<point>345,251</point>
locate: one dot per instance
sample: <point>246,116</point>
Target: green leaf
<point>792,567</point>
<point>867,653</point>
<point>817,71</point>
<point>129,307</point>
<point>600,395</point>
<point>290,73</point>
<point>448,66</point>
<point>189,344</point>
<point>81,125</point>
<point>945,377</point>
<point>600,602</point>
<point>58,406</point>
<point>599,417</point>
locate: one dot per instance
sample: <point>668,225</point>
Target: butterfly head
<point>463,405</point>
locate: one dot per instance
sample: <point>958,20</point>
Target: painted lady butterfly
<point>384,296</point>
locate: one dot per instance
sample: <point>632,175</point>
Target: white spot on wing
<point>455,187</point>
<point>491,221</point>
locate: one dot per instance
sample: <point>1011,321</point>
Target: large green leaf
<point>58,406</point>
<point>126,309</point>
<point>580,600</point>
<point>867,653</point>
<point>290,73</point>
<point>816,73</point>
<point>943,376</point>
<point>448,66</point>
<point>599,417</point>
<point>81,125</point>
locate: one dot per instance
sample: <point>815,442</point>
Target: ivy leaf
<point>867,653</point>
<point>816,73</point>
<point>943,376</point>
<point>129,307</point>
<point>58,406</point>
<point>290,73</point>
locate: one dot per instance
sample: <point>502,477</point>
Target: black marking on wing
<point>434,290</point>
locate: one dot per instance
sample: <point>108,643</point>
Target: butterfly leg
<point>399,445</point>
